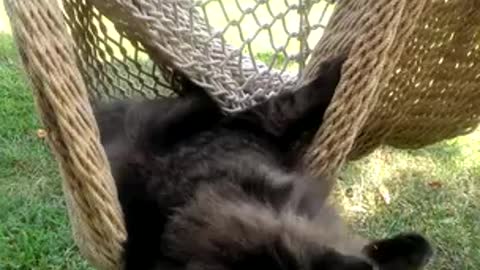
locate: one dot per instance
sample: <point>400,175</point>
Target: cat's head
<point>223,230</point>
<point>401,252</point>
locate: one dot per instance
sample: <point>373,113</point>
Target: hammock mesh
<point>180,35</point>
<point>411,78</point>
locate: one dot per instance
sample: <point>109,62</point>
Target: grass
<point>34,230</point>
<point>433,190</point>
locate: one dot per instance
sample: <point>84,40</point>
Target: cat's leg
<point>403,251</point>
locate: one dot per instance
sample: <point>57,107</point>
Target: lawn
<point>433,190</point>
<point>34,230</point>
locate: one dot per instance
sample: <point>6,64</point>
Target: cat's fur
<point>204,191</point>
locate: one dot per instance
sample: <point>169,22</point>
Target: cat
<point>203,190</point>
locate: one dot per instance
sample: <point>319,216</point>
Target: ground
<point>433,190</point>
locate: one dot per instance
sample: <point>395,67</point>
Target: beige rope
<point>62,102</point>
<point>176,36</point>
<point>434,92</point>
<point>427,87</point>
<point>369,29</point>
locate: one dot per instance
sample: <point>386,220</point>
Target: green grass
<point>434,190</point>
<point>34,229</point>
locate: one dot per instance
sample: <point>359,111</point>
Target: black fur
<point>402,252</point>
<point>204,191</point>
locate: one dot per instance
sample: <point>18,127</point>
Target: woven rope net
<point>411,79</point>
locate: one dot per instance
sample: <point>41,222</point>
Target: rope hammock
<point>412,76</point>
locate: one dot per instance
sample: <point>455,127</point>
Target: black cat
<point>201,190</point>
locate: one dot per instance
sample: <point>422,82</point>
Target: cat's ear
<point>403,251</point>
<point>327,76</point>
<point>353,263</point>
<point>157,125</point>
<point>142,119</point>
<point>110,119</point>
<point>167,265</point>
<point>271,256</point>
<point>337,261</point>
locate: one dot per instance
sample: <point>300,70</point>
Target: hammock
<point>411,78</point>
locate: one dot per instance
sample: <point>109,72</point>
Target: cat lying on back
<point>204,191</point>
